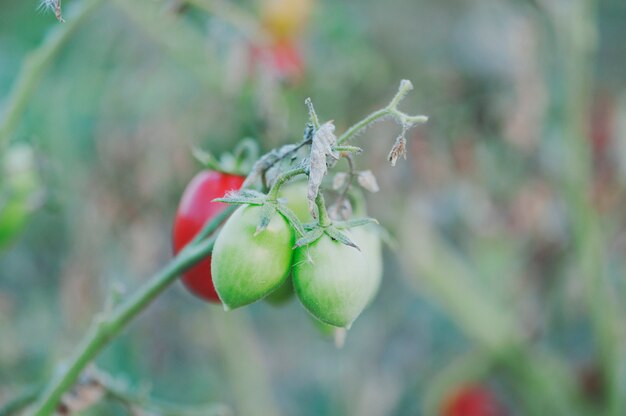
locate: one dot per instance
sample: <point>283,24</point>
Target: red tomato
<point>194,210</point>
<point>472,400</point>
<point>283,58</point>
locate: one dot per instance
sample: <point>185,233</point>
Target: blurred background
<point>504,293</point>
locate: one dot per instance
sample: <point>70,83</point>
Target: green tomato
<point>368,240</point>
<point>247,266</point>
<point>332,281</point>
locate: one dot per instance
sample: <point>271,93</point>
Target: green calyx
<point>239,162</point>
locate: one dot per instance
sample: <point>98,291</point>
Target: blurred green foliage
<point>508,211</point>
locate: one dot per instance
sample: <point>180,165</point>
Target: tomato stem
<point>282,179</point>
<point>390,110</point>
<point>324,219</point>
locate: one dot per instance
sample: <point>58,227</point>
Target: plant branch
<point>282,179</point>
<point>390,110</point>
<point>324,219</point>
<point>35,65</point>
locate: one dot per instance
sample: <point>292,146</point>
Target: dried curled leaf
<point>398,149</point>
<point>321,148</point>
<point>368,181</point>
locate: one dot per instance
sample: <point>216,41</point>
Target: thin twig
<point>390,110</point>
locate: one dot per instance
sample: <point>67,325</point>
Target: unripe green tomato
<point>368,240</point>
<point>331,281</point>
<point>247,267</point>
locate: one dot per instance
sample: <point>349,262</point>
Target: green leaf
<point>245,197</point>
<point>337,235</point>
<point>206,158</point>
<point>251,193</point>
<point>310,237</point>
<point>291,218</point>
<point>268,211</point>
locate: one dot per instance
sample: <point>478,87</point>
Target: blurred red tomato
<point>282,58</point>
<point>472,400</point>
<point>194,210</point>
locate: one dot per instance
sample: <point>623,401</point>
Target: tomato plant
<point>254,251</point>
<point>472,400</point>
<point>195,209</point>
<point>248,263</point>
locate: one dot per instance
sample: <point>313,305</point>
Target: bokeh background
<point>508,215</point>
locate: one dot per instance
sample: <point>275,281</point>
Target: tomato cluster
<point>333,281</point>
